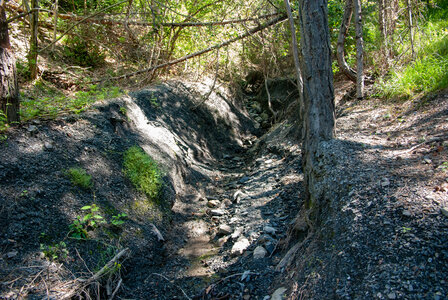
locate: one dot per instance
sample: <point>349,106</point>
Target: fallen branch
<point>179,60</point>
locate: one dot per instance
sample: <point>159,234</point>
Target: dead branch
<point>205,98</point>
<point>179,60</point>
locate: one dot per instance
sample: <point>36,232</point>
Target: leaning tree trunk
<point>318,111</point>
<point>9,89</point>
<point>343,31</point>
<point>359,51</point>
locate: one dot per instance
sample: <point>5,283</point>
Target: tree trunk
<point>9,89</point>
<point>318,111</point>
<point>32,55</point>
<point>359,50</point>
<point>345,24</point>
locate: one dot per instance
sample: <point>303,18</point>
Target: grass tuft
<point>79,177</point>
<point>143,172</point>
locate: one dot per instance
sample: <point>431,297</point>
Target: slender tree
<point>32,55</point>
<point>318,93</point>
<point>343,31</point>
<point>359,50</point>
<point>9,90</point>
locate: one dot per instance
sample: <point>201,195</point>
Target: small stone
<point>246,297</point>
<point>222,241</point>
<point>279,294</point>
<point>48,146</point>
<point>224,229</point>
<point>237,233</point>
<point>392,295</point>
<point>444,211</point>
<point>227,202</point>
<point>217,212</point>
<point>32,129</point>
<point>237,196</point>
<point>240,246</point>
<point>427,161</point>
<point>244,179</point>
<point>385,182</point>
<point>269,229</point>
<point>259,252</point>
<point>213,203</point>
<point>406,213</point>
<point>11,254</point>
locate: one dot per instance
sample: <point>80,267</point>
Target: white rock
<point>444,211</point>
<point>224,229</point>
<point>279,294</point>
<point>259,252</point>
<point>407,213</point>
<point>217,212</point>
<point>240,246</point>
<point>213,203</point>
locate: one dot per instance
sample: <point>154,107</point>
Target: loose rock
<point>240,246</point>
<point>259,252</point>
<point>279,294</point>
<point>224,229</point>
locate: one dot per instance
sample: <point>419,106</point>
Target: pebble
<point>48,146</point>
<point>224,229</point>
<point>392,295</point>
<point>444,211</point>
<point>237,233</point>
<point>11,254</point>
<point>217,212</point>
<point>213,203</point>
<point>406,213</point>
<point>269,230</point>
<point>279,294</point>
<point>259,252</point>
<point>237,196</point>
<point>227,202</point>
<point>32,129</point>
<point>240,246</point>
<point>244,179</point>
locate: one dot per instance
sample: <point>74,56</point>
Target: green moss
<point>80,178</point>
<point>143,172</point>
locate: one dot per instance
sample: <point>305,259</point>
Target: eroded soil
<point>231,197</point>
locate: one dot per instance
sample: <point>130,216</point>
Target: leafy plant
<point>79,177</point>
<point>119,219</point>
<point>80,227</point>
<point>55,251</point>
<point>143,172</point>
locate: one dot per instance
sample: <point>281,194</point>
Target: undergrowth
<point>49,102</point>
<point>427,73</point>
<point>143,172</point>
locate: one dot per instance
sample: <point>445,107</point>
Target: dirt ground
<point>230,198</point>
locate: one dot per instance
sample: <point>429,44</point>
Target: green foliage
<point>81,225</point>
<point>3,122</point>
<point>80,178</point>
<point>143,172</point>
<point>55,252</point>
<point>427,73</point>
<point>83,52</point>
<point>119,219</point>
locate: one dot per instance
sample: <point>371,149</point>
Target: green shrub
<point>83,52</point>
<point>143,172</point>
<point>79,177</point>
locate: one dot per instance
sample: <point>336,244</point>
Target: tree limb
<point>179,60</point>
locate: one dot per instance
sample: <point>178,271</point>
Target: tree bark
<point>343,31</point>
<point>32,55</point>
<point>318,111</point>
<point>9,89</point>
<point>359,50</point>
